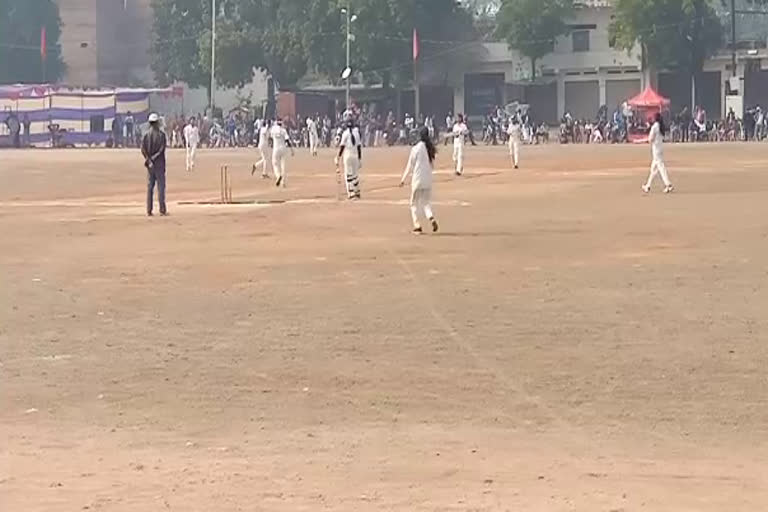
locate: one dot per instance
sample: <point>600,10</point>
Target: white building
<point>582,73</point>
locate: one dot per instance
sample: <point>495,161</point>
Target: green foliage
<point>178,33</point>
<point>290,37</point>
<point>20,25</point>
<point>532,26</point>
<point>673,33</point>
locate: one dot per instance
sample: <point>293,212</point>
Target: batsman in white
<point>281,143</point>
<point>191,141</point>
<point>656,138</point>
<point>420,163</point>
<point>314,140</point>
<point>263,149</point>
<point>514,132</point>
<point>460,132</point>
<point>351,154</point>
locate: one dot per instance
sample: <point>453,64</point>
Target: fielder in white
<point>191,141</point>
<point>460,132</point>
<point>351,154</point>
<point>314,140</point>
<point>263,148</point>
<point>513,131</point>
<point>420,163</point>
<point>281,143</point>
<point>656,138</point>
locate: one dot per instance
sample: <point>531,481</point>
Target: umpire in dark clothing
<point>153,149</point>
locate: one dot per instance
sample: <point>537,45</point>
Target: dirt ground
<point>564,344</point>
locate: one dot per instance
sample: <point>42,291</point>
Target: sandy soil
<point>565,343</point>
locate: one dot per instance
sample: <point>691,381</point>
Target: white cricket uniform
<point>314,140</point>
<point>657,153</point>
<point>279,137</point>
<point>191,140</point>
<point>514,142</point>
<point>263,148</point>
<point>421,183</point>
<point>350,139</point>
<point>460,132</point>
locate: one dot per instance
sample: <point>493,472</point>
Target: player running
<point>263,148</point>
<point>420,163</point>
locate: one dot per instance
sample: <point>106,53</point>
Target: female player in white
<point>420,163</point>
<point>351,154</point>
<point>656,138</point>
<point>281,142</point>
<point>513,131</point>
<point>263,148</point>
<point>460,132</point>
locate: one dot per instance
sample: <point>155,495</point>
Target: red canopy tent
<point>645,105</point>
<point>649,99</point>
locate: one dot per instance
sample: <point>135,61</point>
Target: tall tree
<point>382,36</point>
<point>533,26</point>
<point>289,37</point>
<point>672,33</point>
<point>178,31</point>
<point>250,34</point>
<point>21,24</point>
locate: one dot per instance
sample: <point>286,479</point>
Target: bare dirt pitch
<point>564,344</point>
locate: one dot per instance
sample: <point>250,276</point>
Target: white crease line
<point>469,348</point>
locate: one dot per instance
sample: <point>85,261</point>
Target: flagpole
<point>417,89</point>
<point>43,53</point>
<point>213,57</point>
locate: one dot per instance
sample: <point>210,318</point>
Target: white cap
<point>153,118</point>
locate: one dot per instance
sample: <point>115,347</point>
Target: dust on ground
<point>564,343</point>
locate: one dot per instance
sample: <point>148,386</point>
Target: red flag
<point>415,45</point>
<point>43,44</point>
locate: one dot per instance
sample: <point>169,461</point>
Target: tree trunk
<point>533,69</point>
<point>693,90</point>
<point>399,104</point>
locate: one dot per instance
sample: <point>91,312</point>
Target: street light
<point>347,74</point>
<point>213,55</point>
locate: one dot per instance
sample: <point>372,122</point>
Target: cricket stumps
<point>226,186</point>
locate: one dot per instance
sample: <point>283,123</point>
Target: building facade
<point>106,42</point>
<point>583,72</point>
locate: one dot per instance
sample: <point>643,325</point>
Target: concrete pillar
<point>601,85</point>
<point>458,98</point>
<point>560,95</point>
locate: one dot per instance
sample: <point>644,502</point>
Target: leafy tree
<point>484,12</point>
<point>383,32</point>
<point>20,26</point>
<point>250,34</point>
<point>532,26</point>
<point>290,37</point>
<point>179,29</point>
<point>672,33</point>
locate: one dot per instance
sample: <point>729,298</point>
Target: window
<point>580,40</point>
